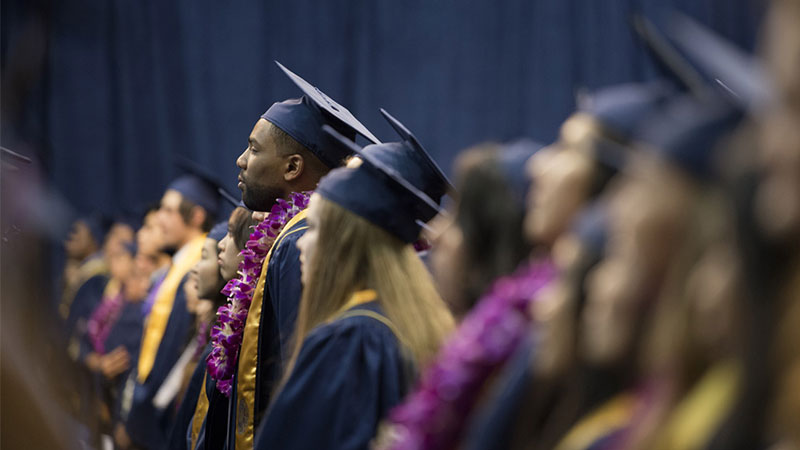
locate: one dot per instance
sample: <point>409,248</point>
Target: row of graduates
<point>632,285</point>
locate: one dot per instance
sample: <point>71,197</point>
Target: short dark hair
<point>286,145</point>
<point>185,209</point>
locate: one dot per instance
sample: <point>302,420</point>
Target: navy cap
<point>687,132</point>
<point>621,108</point>
<point>512,160</point>
<point>302,119</point>
<point>378,193</point>
<point>434,181</point>
<point>198,186</point>
<point>342,117</point>
<point>218,231</point>
<point>665,53</point>
<point>235,202</point>
<point>98,225</point>
<point>741,76</point>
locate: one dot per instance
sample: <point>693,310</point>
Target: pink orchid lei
<point>434,415</point>
<point>103,319</point>
<point>227,333</point>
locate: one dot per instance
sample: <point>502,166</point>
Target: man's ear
<point>294,167</point>
<point>198,217</point>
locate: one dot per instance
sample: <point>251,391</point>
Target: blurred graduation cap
<point>671,58</point>
<point>218,231</point>
<point>98,225</point>
<point>687,133</point>
<point>377,192</point>
<point>512,160</point>
<point>10,158</point>
<point>302,119</point>
<point>618,110</point>
<point>198,185</point>
<point>227,196</point>
<point>738,73</point>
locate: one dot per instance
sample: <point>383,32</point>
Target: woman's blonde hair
<point>353,254</point>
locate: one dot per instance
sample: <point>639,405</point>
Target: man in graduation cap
<point>287,153</point>
<point>187,212</point>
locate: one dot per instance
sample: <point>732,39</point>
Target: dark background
<point>104,93</point>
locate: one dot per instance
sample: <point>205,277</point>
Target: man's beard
<point>258,198</point>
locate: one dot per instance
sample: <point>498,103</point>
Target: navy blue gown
<point>180,436</point>
<point>348,375</point>
<point>147,426</point>
<point>492,426</point>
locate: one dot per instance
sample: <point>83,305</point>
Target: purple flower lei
<point>226,335</point>
<point>434,415</point>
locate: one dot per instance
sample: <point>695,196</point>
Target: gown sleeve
<point>348,375</point>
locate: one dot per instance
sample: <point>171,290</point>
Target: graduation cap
<point>10,157</point>
<point>621,108</point>
<point>227,196</point>
<point>740,75</point>
<point>302,119</point>
<point>377,192</point>
<point>618,111</point>
<point>412,162</point>
<point>687,133</point>
<point>669,57</point>
<point>98,225</point>
<point>198,185</point>
<point>218,231</point>
<point>512,161</point>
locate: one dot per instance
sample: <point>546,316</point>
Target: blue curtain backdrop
<point>117,88</point>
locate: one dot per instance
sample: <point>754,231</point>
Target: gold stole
<point>94,266</point>
<point>200,411</point>
<point>248,353</point>
<point>701,412</point>
<point>612,415</point>
<point>162,307</point>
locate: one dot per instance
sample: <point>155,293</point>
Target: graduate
<point>216,268</point>
<point>625,290</point>
<point>186,214</point>
<point>286,156</point>
<point>482,238</point>
<point>370,316</point>
<point>86,273</point>
<point>593,144</point>
<point>150,255</point>
<point>114,331</point>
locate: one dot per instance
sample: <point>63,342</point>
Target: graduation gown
<point>492,427</point>
<point>199,384</point>
<point>80,300</point>
<point>350,372</point>
<point>147,426</point>
<point>270,324</point>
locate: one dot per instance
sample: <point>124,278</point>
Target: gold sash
<point>248,353</point>
<point>162,307</point>
<point>200,411</point>
<point>610,416</point>
<point>696,418</point>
